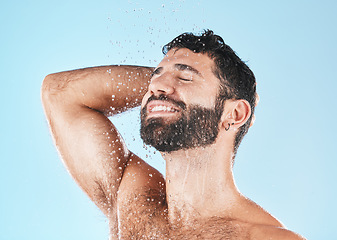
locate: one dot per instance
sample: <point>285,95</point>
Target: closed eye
<point>185,80</point>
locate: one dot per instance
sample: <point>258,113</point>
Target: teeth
<point>162,108</point>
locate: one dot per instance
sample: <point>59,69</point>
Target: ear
<point>236,114</point>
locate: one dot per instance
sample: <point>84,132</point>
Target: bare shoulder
<point>141,182</point>
<point>274,233</point>
<point>139,175</point>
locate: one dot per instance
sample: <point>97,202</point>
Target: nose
<point>162,85</point>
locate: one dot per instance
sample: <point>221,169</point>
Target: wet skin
<point>198,199</point>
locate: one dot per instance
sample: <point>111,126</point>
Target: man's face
<point>178,111</point>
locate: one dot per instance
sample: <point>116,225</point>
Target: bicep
<point>92,150</point>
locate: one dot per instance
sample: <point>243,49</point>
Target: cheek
<point>210,95</point>
<point>202,96</point>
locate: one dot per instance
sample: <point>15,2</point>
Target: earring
<point>229,125</point>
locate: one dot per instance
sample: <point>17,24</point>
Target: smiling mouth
<point>162,108</point>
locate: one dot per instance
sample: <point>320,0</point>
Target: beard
<point>196,127</point>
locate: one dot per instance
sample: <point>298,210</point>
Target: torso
<point>142,213</point>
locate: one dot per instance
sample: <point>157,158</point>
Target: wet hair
<point>237,81</point>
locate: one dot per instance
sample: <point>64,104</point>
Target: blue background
<point>286,163</point>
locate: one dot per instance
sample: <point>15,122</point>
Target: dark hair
<point>237,81</point>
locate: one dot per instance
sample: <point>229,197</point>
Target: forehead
<point>185,56</point>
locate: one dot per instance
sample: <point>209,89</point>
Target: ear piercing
<point>229,125</point>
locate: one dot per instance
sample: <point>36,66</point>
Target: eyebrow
<point>184,67</point>
<point>156,71</point>
<point>179,67</point>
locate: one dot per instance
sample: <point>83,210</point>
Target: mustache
<point>163,97</point>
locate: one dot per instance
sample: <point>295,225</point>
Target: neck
<point>200,183</point>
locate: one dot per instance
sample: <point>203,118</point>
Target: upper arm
<point>77,104</point>
<point>89,144</point>
<point>92,150</point>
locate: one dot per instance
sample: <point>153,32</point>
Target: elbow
<point>46,88</point>
<point>50,88</point>
<point>52,85</point>
<point>46,84</point>
<point>45,94</point>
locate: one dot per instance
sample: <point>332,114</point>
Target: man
<point>196,107</point>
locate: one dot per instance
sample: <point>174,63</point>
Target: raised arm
<point>76,105</point>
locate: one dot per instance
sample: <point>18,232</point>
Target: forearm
<point>107,89</point>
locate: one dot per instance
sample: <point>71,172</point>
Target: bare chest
<point>142,217</point>
<point>149,220</point>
